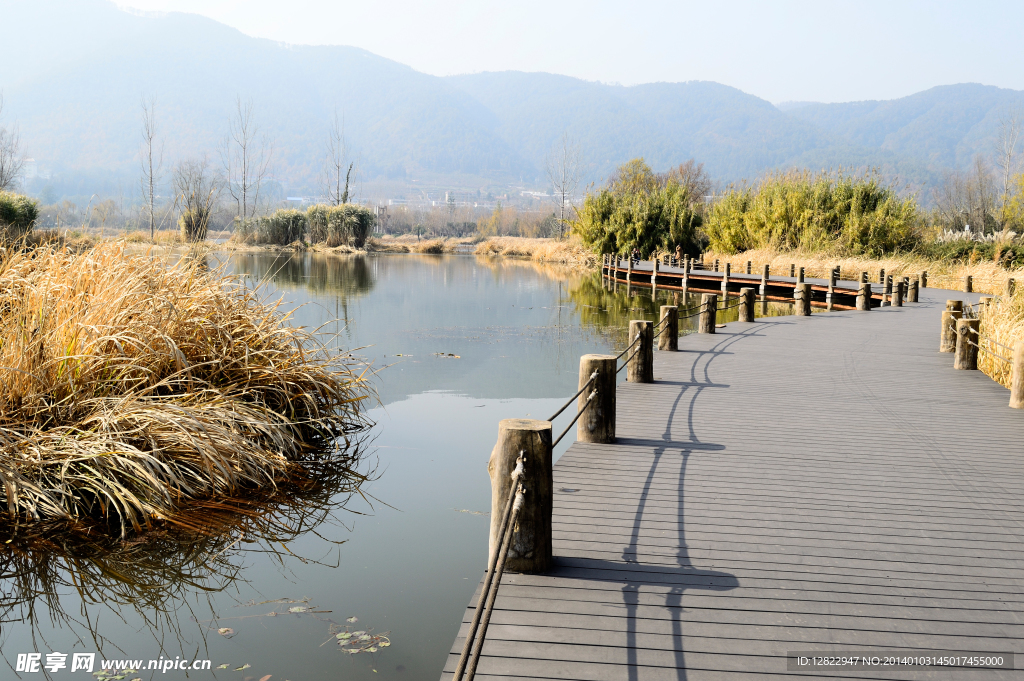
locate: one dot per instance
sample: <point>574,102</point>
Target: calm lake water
<point>457,343</point>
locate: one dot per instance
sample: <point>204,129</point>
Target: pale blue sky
<point>781,51</point>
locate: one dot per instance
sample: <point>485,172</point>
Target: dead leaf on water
<point>223,666</point>
<point>226,632</point>
<point>244,666</point>
<point>298,608</point>
<point>352,619</point>
<point>266,678</point>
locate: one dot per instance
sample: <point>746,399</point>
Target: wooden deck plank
<point>817,483</point>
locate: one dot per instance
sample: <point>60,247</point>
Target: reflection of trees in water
<point>156,573</point>
<point>346,274</point>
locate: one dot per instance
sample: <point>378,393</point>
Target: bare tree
<point>11,158</point>
<point>694,178</point>
<point>152,161</point>
<point>1011,128</point>
<point>246,156</point>
<point>332,186</point>
<point>196,193</point>
<point>564,165</point>
<point>966,200</point>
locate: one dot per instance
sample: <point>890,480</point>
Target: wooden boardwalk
<point>826,483</point>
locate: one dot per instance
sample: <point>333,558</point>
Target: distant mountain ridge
<point>77,103</point>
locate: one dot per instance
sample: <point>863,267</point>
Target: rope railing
<point>593,377</point>
<point>626,363</point>
<point>986,350</point>
<point>619,356</point>
<point>492,580</point>
<point>578,415</point>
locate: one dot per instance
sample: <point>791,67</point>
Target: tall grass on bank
<point>813,212</point>
<point>129,388</point>
<point>565,252</point>
<point>1002,325</point>
<point>989,276</point>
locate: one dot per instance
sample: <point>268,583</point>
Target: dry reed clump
<point>1002,325</point>
<point>988,276</point>
<point>129,387</point>
<point>569,252</point>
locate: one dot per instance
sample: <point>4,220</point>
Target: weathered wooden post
<point>923,279</point>
<point>947,338</point>
<point>1011,286</point>
<point>598,422</point>
<point>725,278</point>
<point>654,277</point>
<point>750,264</point>
<point>968,284</point>
<point>746,304</point>
<point>832,276</point>
<point>966,356</point>
<point>881,276</point>
<point>802,294</point>
<point>897,294</point>
<point>1017,376</point>
<point>863,277</point>
<point>792,270</point>
<point>912,291</point>
<point>887,289</point>
<point>983,303</point>
<point>530,549</point>
<point>708,313</point>
<point>668,336</point>
<point>629,273</point>
<point>864,296</point>
<point>800,275</point>
<point>764,280</point>
<point>641,367</point>
<point>716,264</point>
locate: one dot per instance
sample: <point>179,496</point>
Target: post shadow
<point>685,575</point>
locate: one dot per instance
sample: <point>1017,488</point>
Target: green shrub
<point>348,224</point>
<point>855,215</point>
<point>640,210</point>
<point>284,227</point>
<point>17,216</point>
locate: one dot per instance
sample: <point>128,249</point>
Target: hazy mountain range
<point>73,73</point>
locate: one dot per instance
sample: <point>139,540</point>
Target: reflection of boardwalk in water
<point>824,483</point>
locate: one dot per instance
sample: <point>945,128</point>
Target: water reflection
<point>153,579</point>
<point>346,275</point>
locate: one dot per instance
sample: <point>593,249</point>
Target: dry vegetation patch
<point>129,386</point>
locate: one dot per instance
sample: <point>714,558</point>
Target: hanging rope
<point>492,580</point>
<point>578,415</point>
<point>593,377</point>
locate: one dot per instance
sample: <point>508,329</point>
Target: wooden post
<point>864,296</point>
<point>881,276</point>
<point>923,279</point>
<point>597,423</point>
<point>912,291</point>
<point>1011,285</point>
<point>725,279</point>
<point>1017,376</point>
<point>897,294</point>
<point>654,277</point>
<point>800,275</point>
<point>802,295</point>
<point>747,304</point>
<point>968,284</point>
<point>947,335</point>
<point>716,264</point>
<point>641,367</point>
<point>668,334</point>
<point>708,313</point>
<point>792,270</point>
<point>629,272</point>
<point>957,305</point>
<point>832,276</point>
<point>749,266</point>
<point>530,550</point>
<point>863,277</point>
<point>966,356</point>
<point>983,303</point>
<point>764,280</point>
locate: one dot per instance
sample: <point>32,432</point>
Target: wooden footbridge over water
<point>823,485</point>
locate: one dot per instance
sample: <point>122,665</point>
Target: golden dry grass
<point>1002,325</point>
<point>129,387</point>
<point>568,252</point>
<point>989,277</point>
